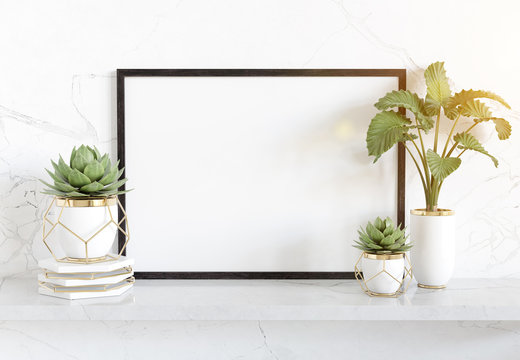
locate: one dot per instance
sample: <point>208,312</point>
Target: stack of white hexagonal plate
<point>80,281</point>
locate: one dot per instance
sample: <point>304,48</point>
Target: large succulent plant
<point>87,174</point>
<point>382,237</point>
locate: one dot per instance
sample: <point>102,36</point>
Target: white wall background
<point>57,88</point>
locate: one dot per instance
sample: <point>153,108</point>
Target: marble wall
<point>57,76</point>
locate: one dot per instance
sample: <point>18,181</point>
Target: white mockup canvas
<point>254,173</point>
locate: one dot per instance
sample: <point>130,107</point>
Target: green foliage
<point>464,96</point>
<point>437,88</point>
<point>469,142</point>
<point>441,167</point>
<point>475,109</point>
<point>389,127</point>
<point>382,237</point>
<point>502,126</point>
<point>87,174</point>
<point>386,129</point>
<point>410,101</point>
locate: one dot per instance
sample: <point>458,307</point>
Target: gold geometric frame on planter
<point>66,202</point>
<point>404,283</point>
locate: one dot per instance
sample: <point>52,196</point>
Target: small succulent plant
<point>87,174</point>
<point>382,237</point>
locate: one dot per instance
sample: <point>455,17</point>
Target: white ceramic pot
<point>432,256</point>
<point>383,274</point>
<point>86,217</point>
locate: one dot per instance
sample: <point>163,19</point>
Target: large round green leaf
<point>469,142</point>
<point>437,88</point>
<point>408,100</point>
<point>385,130</point>
<point>441,167</point>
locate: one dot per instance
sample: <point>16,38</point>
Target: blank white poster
<point>252,173</point>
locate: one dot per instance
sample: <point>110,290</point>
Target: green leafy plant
<point>390,127</point>
<point>88,173</point>
<point>382,237</point>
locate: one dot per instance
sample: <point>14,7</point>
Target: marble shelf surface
<point>464,299</point>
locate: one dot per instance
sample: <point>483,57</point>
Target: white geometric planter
<point>85,228</point>
<point>383,274</point>
<point>432,234</point>
<point>86,222</point>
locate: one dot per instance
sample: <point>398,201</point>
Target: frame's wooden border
<point>123,73</point>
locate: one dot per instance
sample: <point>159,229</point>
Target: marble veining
<point>56,97</point>
<point>224,340</point>
<point>266,300</point>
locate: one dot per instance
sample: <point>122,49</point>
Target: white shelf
<point>464,299</point>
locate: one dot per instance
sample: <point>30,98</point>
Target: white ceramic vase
<point>88,219</point>
<point>432,256</point>
<point>383,274</point>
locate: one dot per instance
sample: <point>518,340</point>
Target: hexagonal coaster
<point>80,279</point>
<point>63,267</point>
<point>85,292</point>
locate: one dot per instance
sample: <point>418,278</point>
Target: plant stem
<point>425,165</point>
<point>419,170</point>
<point>416,148</point>
<point>437,131</point>
<point>432,203</point>
<point>434,191</point>
<point>462,153</point>
<point>449,136</point>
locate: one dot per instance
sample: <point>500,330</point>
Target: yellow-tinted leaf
<point>502,126</point>
<point>437,87</point>
<point>464,96</point>
<point>476,109</point>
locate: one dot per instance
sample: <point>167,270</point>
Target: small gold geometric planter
<point>384,272</point>
<point>64,204</point>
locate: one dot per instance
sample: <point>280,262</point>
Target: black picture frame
<point>400,74</point>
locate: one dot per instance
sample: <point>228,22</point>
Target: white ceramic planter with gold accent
<point>88,230</point>
<point>383,274</point>
<point>432,234</point>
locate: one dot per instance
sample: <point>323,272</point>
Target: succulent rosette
<point>88,174</point>
<point>382,237</point>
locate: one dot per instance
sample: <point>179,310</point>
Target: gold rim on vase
<point>434,287</point>
<point>87,202</point>
<point>394,256</point>
<point>439,212</point>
